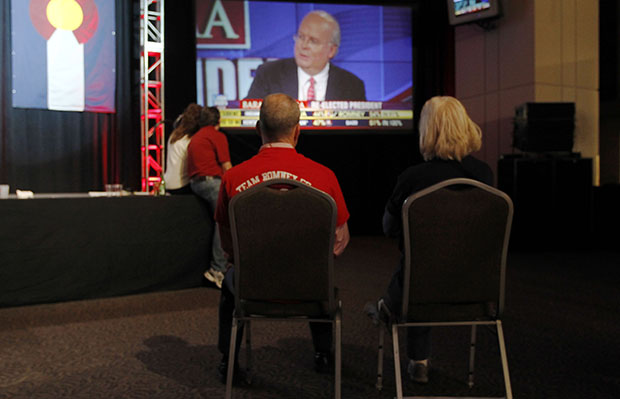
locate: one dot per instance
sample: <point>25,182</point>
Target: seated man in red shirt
<point>279,129</point>
<point>207,160</point>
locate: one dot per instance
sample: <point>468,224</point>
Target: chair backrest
<point>283,240</point>
<point>456,237</point>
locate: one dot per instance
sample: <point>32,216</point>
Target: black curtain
<point>51,151</point>
<point>180,57</point>
<point>433,51</point>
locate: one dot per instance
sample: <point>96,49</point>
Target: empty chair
<point>456,237</point>
<point>283,240</point>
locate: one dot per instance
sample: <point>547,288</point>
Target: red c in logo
<point>87,29</point>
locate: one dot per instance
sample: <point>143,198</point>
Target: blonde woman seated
<point>186,125</point>
<point>447,138</point>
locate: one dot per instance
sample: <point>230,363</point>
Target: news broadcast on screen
<point>360,55</point>
<point>468,11</point>
<point>470,6</point>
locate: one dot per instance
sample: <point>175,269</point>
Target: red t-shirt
<point>206,152</point>
<point>278,163</point>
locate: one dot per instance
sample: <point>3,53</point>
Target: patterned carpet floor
<point>561,324</point>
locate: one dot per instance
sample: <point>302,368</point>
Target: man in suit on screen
<point>310,75</point>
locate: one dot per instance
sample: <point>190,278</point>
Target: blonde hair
<point>446,131</point>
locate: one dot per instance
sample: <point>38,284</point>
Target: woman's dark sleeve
<point>392,223</point>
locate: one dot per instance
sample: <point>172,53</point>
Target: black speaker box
<point>544,127</point>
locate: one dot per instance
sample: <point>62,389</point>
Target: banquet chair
<point>456,237</point>
<point>283,240</point>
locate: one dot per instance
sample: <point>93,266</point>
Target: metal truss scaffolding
<point>152,94</point>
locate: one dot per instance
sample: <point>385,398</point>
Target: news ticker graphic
<point>322,114</point>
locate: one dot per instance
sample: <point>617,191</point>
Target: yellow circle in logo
<point>65,14</point>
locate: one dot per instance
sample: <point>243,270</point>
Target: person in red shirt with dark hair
<point>207,160</point>
<point>279,129</point>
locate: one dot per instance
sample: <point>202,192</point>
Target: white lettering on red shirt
<point>270,175</point>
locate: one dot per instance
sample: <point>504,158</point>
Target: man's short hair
<point>279,114</point>
<point>329,18</point>
<point>446,131</point>
<point>209,116</point>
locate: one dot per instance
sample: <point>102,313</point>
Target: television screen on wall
<point>468,11</point>
<point>248,49</point>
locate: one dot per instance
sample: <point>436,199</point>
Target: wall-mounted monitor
<point>468,11</point>
<point>247,49</point>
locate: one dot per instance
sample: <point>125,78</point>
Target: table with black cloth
<point>67,247</point>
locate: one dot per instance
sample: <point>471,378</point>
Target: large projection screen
<point>234,38</point>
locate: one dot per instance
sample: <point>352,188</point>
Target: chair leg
<point>502,351</point>
<point>399,380</point>
<point>472,356</point>
<point>231,358</point>
<point>248,353</point>
<point>379,384</point>
<point>338,360</point>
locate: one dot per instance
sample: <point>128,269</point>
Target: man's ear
<point>258,127</point>
<point>332,51</point>
<point>296,134</point>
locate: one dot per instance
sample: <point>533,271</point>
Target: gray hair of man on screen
<point>331,20</point>
<point>446,131</point>
<point>279,117</point>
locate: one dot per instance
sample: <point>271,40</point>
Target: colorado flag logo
<point>63,54</point>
